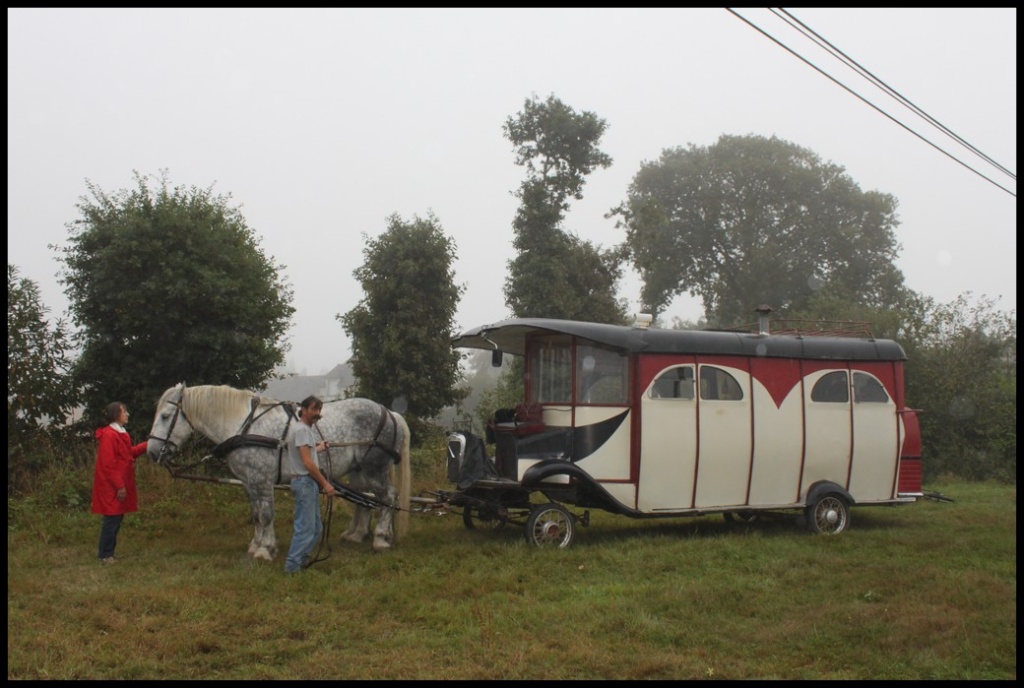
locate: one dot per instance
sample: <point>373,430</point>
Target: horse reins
<point>349,494</point>
<point>325,534</point>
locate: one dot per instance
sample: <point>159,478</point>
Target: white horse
<point>365,440</point>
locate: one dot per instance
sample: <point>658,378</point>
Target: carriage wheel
<point>829,515</point>
<point>550,525</point>
<point>474,518</point>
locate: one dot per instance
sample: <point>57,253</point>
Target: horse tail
<point>405,478</point>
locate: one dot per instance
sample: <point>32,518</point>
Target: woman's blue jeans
<point>108,535</point>
<point>308,523</point>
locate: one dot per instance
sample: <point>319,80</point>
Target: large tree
<point>168,285</point>
<point>402,328</point>
<point>555,274</point>
<point>752,220</point>
<point>39,392</point>
<point>962,371</point>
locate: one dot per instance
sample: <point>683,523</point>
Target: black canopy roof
<point>510,336</point>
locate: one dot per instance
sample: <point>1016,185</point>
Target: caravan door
<point>724,429</point>
<point>668,435</point>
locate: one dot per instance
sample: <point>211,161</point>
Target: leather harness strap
<point>244,439</point>
<point>385,415</point>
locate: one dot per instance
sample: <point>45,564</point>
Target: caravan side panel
<point>876,433</point>
<point>724,419</point>
<point>828,425</point>
<point>778,432</point>
<point>668,435</point>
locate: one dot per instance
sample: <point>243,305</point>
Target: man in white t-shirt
<point>307,481</point>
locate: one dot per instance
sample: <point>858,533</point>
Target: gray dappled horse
<point>366,441</point>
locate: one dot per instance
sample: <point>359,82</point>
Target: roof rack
<point>811,328</point>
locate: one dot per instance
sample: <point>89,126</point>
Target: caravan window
<point>867,389</point>
<point>674,383</point>
<point>551,369</point>
<point>832,387</point>
<point>601,375</point>
<point>718,385</point>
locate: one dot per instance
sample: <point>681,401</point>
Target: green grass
<point>922,591</point>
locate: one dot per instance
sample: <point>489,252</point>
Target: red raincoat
<point>115,468</point>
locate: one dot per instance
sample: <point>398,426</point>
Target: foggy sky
<point>322,123</point>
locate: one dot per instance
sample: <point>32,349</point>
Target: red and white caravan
<point>649,422</point>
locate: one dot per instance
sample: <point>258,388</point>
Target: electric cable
<point>866,101</point>
<point>836,52</point>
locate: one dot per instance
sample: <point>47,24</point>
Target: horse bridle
<point>178,410</point>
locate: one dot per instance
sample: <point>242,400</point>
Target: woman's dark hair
<point>112,411</point>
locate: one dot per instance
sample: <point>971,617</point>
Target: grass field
<point>921,591</point>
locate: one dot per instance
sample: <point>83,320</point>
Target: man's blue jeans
<point>308,524</point>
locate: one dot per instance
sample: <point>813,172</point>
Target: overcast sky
<point>322,123</point>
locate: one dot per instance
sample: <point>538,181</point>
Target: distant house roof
<point>340,372</point>
<point>294,388</point>
<point>298,387</point>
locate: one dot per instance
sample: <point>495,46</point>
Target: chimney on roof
<point>762,318</point>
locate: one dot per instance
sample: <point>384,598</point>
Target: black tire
<point>740,516</point>
<point>550,525</point>
<point>830,515</point>
<point>474,518</point>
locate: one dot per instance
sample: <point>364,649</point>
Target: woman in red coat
<point>113,486</point>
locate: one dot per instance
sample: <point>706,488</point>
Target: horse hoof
<point>353,537</point>
<point>263,554</point>
<point>381,545</point>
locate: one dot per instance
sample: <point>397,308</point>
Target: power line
<point>865,73</point>
<point>865,100</point>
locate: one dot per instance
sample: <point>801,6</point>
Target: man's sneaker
<point>108,560</point>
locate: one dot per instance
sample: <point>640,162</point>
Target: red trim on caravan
<point>910,479</point>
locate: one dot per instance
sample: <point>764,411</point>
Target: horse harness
<point>247,439</point>
<point>385,416</point>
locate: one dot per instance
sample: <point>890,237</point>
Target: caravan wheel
<point>550,525</point>
<point>829,515</point>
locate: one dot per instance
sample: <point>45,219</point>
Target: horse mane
<point>218,403</point>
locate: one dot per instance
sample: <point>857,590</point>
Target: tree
<point>752,220</point>
<point>170,284</point>
<point>402,328</point>
<point>554,274</point>
<point>962,372</point>
<point>38,365</point>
